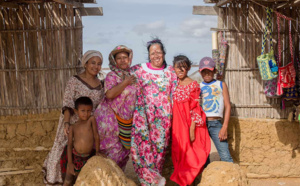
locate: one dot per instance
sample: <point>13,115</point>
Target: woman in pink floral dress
<point>117,108</point>
<point>84,84</point>
<point>152,116</point>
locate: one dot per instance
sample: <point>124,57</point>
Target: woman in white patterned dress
<point>84,84</point>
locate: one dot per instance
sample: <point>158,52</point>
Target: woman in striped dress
<point>114,114</point>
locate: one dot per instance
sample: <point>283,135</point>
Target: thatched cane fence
<point>243,24</point>
<point>40,47</point>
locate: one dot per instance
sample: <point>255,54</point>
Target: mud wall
<point>266,147</point>
<point>25,142</point>
<point>263,147</point>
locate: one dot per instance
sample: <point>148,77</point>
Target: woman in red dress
<point>190,138</point>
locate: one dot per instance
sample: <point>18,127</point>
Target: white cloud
<point>151,28</point>
<point>198,27</point>
<point>162,2</point>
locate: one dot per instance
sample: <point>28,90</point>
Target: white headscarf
<point>88,55</point>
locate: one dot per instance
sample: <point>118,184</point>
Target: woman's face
<point>156,56</point>
<point>122,60</point>
<point>93,65</point>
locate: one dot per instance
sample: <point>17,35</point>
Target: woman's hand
<point>129,80</point>
<point>66,129</point>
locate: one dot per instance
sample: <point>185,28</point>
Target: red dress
<point>188,158</point>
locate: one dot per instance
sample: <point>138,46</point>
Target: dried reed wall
<point>39,50</point>
<point>243,25</point>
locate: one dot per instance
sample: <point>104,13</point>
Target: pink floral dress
<point>75,88</point>
<point>152,121</point>
<point>108,128</point>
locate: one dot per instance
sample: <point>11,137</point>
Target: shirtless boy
<point>81,138</point>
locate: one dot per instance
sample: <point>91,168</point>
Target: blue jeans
<point>214,128</point>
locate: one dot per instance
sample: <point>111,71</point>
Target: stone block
<point>272,143</point>
<point>223,173</point>
<point>103,172</point>
<point>11,130</point>
<point>2,132</point>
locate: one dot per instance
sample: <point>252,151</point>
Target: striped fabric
<point>125,131</point>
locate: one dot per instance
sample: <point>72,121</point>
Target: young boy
<point>215,97</point>
<point>81,138</point>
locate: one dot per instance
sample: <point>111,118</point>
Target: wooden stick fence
<point>243,25</point>
<point>40,45</point>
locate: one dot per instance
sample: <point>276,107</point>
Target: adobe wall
<point>25,142</point>
<point>266,147</point>
<point>263,147</point>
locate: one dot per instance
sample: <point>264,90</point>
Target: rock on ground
<point>223,173</point>
<point>102,172</point>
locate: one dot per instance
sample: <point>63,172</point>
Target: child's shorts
<point>79,160</point>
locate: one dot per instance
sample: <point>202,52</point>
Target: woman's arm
<point>118,89</point>
<point>197,114</point>
<point>223,131</point>
<point>67,116</point>
<point>68,103</point>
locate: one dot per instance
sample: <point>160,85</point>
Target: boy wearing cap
<point>216,104</point>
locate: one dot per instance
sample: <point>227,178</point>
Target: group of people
<point>133,111</point>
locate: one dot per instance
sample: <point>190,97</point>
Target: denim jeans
<point>214,128</point>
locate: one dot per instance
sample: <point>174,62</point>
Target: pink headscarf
<point>112,62</point>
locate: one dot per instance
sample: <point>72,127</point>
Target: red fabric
<point>287,74</point>
<point>78,160</point>
<point>188,158</point>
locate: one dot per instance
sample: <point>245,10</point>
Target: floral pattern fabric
<point>75,88</point>
<point>183,94</point>
<point>152,121</point>
<point>108,128</point>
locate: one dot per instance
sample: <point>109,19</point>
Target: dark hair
<point>182,61</point>
<point>83,101</point>
<point>154,41</point>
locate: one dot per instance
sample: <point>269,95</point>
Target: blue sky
<point>134,22</point>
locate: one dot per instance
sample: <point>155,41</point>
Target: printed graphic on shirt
<point>210,96</point>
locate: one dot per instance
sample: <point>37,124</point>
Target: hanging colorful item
<point>292,93</point>
<point>215,57</point>
<point>266,62</point>
<point>270,86</point>
<point>287,74</point>
<point>223,46</point>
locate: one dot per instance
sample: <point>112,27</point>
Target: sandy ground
<point>129,170</point>
<point>275,182</point>
<point>214,156</point>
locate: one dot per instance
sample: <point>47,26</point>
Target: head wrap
<point>88,55</point>
<point>113,64</point>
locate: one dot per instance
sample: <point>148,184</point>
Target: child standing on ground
<point>190,138</point>
<point>81,138</point>
<point>215,98</point>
